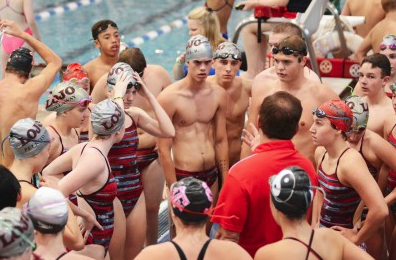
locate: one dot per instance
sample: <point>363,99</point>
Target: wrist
<point>179,62</point>
<point>117,97</point>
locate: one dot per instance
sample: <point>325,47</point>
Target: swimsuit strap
<point>323,157</point>
<point>61,255</point>
<point>9,6</point>
<point>203,250</point>
<point>78,136</point>
<point>361,145</point>
<point>310,250</point>
<point>226,3</point>
<point>338,161</point>
<point>60,139</point>
<point>27,182</point>
<point>392,128</point>
<point>179,251</point>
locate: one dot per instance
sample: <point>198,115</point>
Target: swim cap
<point>115,73</point>
<point>107,118</point>
<point>48,210</point>
<point>227,50</point>
<point>337,112</point>
<point>28,138</point>
<point>16,231</point>
<point>65,96</point>
<point>21,59</point>
<point>388,41</point>
<point>291,191</point>
<point>198,47</point>
<point>191,199</point>
<point>360,111</point>
<point>75,71</point>
<point>393,87</point>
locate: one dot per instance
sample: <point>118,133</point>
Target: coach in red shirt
<point>246,191</point>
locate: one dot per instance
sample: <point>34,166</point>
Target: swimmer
<point>21,12</point>
<point>19,95</point>
<point>191,203</point>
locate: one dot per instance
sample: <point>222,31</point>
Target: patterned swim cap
<point>107,118</point>
<point>48,210</point>
<point>28,138</point>
<point>115,73</point>
<point>198,47</point>
<point>191,199</point>
<point>291,191</point>
<point>388,41</point>
<point>65,96</point>
<point>227,50</point>
<point>338,113</point>
<point>21,60</point>
<point>16,231</point>
<point>360,111</point>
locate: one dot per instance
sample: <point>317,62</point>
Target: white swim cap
<point>198,47</point>
<point>227,50</point>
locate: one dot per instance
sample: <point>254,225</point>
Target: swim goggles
<point>80,82</point>
<point>82,103</point>
<point>322,114</point>
<point>387,39</point>
<point>224,56</point>
<point>136,85</point>
<point>104,28</point>
<point>284,50</point>
<point>360,128</point>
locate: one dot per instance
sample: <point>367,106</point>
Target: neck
<point>223,84</point>
<point>108,59</point>
<point>22,170</point>
<point>62,127</point>
<point>103,144</point>
<point>294,228</point>
<point>391,14</point>
<point>194,84</point>
<point>336,147</point>
<point>191,234</point>
<point>49,245</point>
<point>376,98</point>
<point>295,84</point>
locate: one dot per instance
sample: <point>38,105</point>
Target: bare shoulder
<point>160,251</point>
<point>247,85</point>
<point>228,250</point>
<point>157,69</point>
<point>90,64</point>
<point>322,91</point>
<point>272,251</point>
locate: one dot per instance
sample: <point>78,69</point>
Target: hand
<point>252,137</point>
<point>249,5</point>
<point>143,90</point>
<point>181,59</point>
<point>87,222</point>
<point>49,181</point>
<point>122,84</point>
<point>350,234</point>
<point>11,28</point>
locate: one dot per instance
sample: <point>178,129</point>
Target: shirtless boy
<point>227,61</point>
<point>107,39</point>
<point>19,95</point>
<point>290,59</point>
<point>197,109</point>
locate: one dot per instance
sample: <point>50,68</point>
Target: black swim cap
<point>191,199</point>
<point>21,60</point>
<point>291,191</point>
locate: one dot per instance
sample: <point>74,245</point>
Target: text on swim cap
<point>364,106</point>
<point>31,134</point>
<point>117,71</point>
<point>193,42</point>
<point>59,96</point>
<point>113,120</point>
<point>17,231</point>
<point>179,197</point>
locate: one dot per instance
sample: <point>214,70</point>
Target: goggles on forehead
<point>14,135</point>
<point>82,103</point>
<point>322,114</point>
<point>388,41</point>
<point>284,50</point>
<point>105,27</point>
<point>136,85</point>
<point>83,81</point>
<point>390,46</point>
<point>226,55</point>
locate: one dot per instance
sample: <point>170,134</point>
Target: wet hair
<point>210,25</point>
<point>97,28</point>
<point>20,62</point>
<point>295,43</point>
<point>134,57</point>
<point>388,5</point>
<point>279,115</point>
<point>289,28</point>
<point>9,188</point>
<point>380,61</point>
<point>291,192</point>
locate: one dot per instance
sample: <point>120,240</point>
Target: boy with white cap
<point>227,60</point>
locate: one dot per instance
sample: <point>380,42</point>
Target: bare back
<point>383,28</point>
<point>238,94</point>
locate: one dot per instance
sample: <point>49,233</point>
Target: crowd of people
<point>271,161</point>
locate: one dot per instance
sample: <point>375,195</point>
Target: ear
<point>385,80</point>
<point>19,196</point>
<point>304,60</point>
<point>97,43</point>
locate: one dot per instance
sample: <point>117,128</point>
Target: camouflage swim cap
<point>65,96</point>
<point>198,47</point>
<point>28,138</point>
<point>360,111</point>
<point>227,50</point>
<point>107,118</point>
<point>17,232</point>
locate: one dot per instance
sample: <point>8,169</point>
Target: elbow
<point>76,243</point>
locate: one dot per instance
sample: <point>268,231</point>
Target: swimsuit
<point>83,137</point>
<point>209,176</point>
<point>373,171</point>
<point>340,203</point>
<point>72,197</point>
<point>201,253</point>
<point>61,255</point>
<point>101,202</point>
<point>310,250</point>
<point>11,43</point>
<point>28,182</point>
<point>122,158</point>
<point>226,3</point>
<point>145,156</point>
<point>391,184</point>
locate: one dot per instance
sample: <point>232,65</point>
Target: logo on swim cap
<point>198,47</point>
<point>360,111</point>
<point>107,118</point>
<point>115,73</point>
<point>227,50</point>
<point>65,96</point>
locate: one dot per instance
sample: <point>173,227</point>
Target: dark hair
<point>380,61</point>
<point>279,115</point>
<point>98,27</point>
<point>134,58</point>
<point>20,62</point>
<point>295,43</point>
<point>289,28</point>
<point>9,188</point>
<point>388,5</point>
<point>291,192</point>
<point>344,135</point>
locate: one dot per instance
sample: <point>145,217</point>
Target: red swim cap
<point>337,112</point>
<point>74,70</point>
